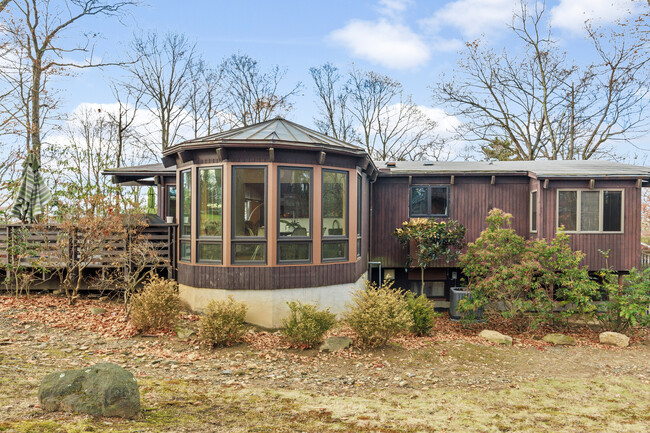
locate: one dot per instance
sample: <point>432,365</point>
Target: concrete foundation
<point>267,308</point>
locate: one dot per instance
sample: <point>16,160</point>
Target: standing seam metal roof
<point>272,130</point>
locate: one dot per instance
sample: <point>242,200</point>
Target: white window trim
<point>530,216</point>
<point>600,209</point>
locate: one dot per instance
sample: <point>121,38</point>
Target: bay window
<point>334,215</point>
<point>590,210</point>
<point>185,216</point>
<point>210,215</point>
<point>294,215</point>
<point>249,215</point>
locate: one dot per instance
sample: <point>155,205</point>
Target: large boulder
<point>496,337</point>
<point>334,344</point>
<point>103,389</point>
<point>614,339</point>
<point>559,340</point>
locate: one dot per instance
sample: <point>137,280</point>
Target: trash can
<point>456,294</point>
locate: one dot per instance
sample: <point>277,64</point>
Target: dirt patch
<point>452,381</point>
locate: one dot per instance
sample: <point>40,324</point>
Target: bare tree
<point>392,126</point>
<point>3,4</point>
<point>123,119</point>
<point>161,71</point>
<point>253,96</point>
<point>206,101</point>
<point>332,99</point>
<point>544,105</point>
<point>40,31</point>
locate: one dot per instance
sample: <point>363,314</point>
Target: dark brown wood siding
<point>470,200</point>
<point>265,278</point>
<point>624,248</point>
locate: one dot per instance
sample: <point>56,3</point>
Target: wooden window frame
<point>234,239</point>
<point>208,239</point>
<point>601,192</point>
<point>336,238</point>
<point>428,214</point>
<point>295,239</point>
<point>180,196</point>
<point>533,204</point>
<point>359,213</point>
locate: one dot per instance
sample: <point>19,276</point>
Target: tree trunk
<point>35,124</point>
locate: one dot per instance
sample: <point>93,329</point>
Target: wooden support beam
<point>169,161</point>
<point>365,162</point>
<point>639,183</point>
<point>271,154</point>
<point>545,183</point>
<point>410,180</point>
<point>592,183</point>
<point>222,154</point>
<point>452,179</point>
<point>321,158</point>
<point>186,156</point>
<point>493,180</point>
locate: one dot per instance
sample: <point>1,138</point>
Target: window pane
<point>291,252</point>
<point>294,202</point>
<point>533,211</point>
<point>249,253</point>
<point>335,198</point>
<point>419,200</point>
<point>209,252</point>
<point>186,208</point>
<point>248,202</point>
<point>210,202</point>
<point>335,250</point>
<point>186,251</point>
<point>438,200</point>
<point>171,201</point>
<point>612,217</point>
<point>567,209</point>
<point>359,247</point>
<point>589,207</point>
<point>359,203</point>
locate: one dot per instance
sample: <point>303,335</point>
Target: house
<point>275,212</point>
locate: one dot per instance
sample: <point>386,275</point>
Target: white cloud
<point>572,14</point>
<point>393,7</point>
<point>472,18</point>
<point>390,44</point>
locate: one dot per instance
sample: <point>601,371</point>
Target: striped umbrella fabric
<point>33,193</point>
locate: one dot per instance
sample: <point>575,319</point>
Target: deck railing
<point>44,239</point>
<point>645,259</point>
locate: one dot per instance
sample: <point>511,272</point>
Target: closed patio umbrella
<point>151,201</point>
<point>33,193</point>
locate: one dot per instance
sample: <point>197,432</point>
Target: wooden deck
<point>44,239</point>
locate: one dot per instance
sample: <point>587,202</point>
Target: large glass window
<point>210,214</point>
<point>171,201</point>
<point>249,214</point>
<point>590,211</point>
<point>533,211</point>
<point>429,201</point>
<point>186,213</point>
<point>359,212</point>
<point>294,214</point>
<point>335,215</point>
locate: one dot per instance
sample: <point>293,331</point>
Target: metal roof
<point>276,130</point>
<point>157,169</point>
<point>539,168</point>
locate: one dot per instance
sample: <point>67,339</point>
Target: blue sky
<point>412,41</point>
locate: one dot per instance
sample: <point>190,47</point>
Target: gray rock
<point>334,344</point>
<point>496,337</point>
<point>103,389</point>
<point>184,333</point>
<point>559,340</point>
<point>96,311</point>
<point>614,339</point>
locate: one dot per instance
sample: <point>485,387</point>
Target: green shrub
<point>223,322</point>
<point>625,305</point>
<point>306,324</point>
<point>157,306</point>
<point>422,313</point>
<point>524,280</point>
<point>378,313</point>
